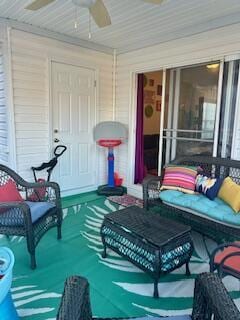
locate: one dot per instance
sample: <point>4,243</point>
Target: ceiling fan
<point>96,8</point>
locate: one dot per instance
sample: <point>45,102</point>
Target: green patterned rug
<point>117,287</point>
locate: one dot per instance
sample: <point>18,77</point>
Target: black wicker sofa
<point>216,229</point>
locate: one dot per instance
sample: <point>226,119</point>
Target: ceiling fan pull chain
<point>89,27</point>
<point>76,19</point>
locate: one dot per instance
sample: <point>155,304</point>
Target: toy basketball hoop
<point>110,134</point>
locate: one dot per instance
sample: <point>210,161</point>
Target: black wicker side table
<point>154,244</point>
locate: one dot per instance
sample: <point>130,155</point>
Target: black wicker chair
<point>16,218</point>
<point>213,166</point>
<point>211,300</point>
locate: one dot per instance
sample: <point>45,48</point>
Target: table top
<point>148,225</point>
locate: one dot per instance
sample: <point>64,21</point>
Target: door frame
<point>237,118</point>
<point>81,64</point>
<point>218,110</point>
<point>160,148</point>
<point>134,189</point>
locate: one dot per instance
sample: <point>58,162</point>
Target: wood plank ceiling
<point>135,24</point>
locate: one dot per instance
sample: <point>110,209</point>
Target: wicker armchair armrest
<point>75,302</point>
<point>46,184</point>
<point>21,210</point>
<point>151,189</point>
<point>211,297</point>
<point>51,194</point>
<point>52,188</point>
<point>13,204</point>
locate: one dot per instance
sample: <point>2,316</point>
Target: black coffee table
<point>154,244</point>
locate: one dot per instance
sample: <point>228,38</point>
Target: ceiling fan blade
<point>38,4</point>
<point>100,14</point>
<point>154,1</point>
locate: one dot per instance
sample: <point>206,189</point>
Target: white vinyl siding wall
<point>203,47</point>
<point>4,151</point>
<point>31,57</point>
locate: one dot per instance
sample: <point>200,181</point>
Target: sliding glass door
<point>199,112</point>
<point>191,109</point>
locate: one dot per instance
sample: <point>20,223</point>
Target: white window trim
<point>6,42</point>
<point>226,116</point>
<point>162,122</point>
<point>236,121</point>
<point>218,109</point>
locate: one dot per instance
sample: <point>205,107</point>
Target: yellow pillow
<point>230,193</point>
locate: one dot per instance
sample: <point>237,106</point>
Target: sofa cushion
<point>230,193</point>
<point>180,178</point>
<point>198,203</point>
<point>37,209</point>
<point>208,186</point>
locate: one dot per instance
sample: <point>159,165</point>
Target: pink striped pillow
<point>181,178</point>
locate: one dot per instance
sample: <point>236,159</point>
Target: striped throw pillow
<point>181,178</point>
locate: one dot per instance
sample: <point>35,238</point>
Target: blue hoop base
<point>105,190</point>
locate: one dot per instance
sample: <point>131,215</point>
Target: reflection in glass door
<point>191,109</point>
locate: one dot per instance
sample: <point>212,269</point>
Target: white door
<point>73,101</point>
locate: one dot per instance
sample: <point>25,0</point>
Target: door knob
<point>56,140</point>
